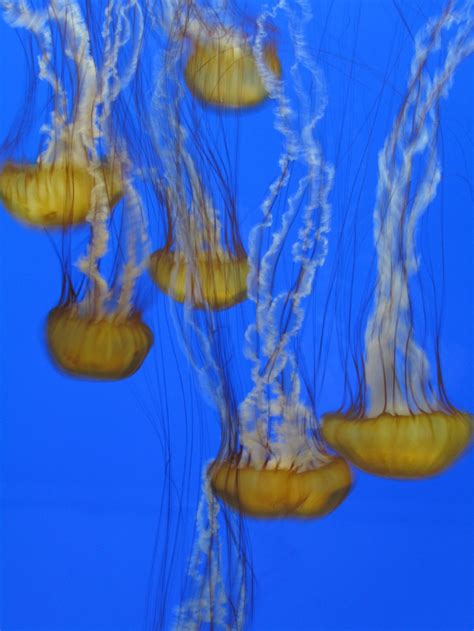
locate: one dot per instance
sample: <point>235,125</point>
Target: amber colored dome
<point>54,195</point>
<point>105,348</point>
<point>222,279</point>
<point>273,493</point>
<point>400,446</point>
<point>225,74</point>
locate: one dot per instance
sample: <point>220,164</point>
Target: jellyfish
<point>274,464</point>
<point>220,68</point>
<point>56,190</point>
<point>200,270</point>
<point>94,331</point>
<point>403,425</point>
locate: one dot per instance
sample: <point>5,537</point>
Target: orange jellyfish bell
<point>218,281</point>
<point>55,194</point>
<point>281,492</point>
<point>105,348</point>
<point>396,446</point>
<point>221,70</point>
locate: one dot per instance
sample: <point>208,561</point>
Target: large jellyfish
<point>272,462</point>
<point>95,331</point>
<point>403,425</point>
<point>196,267</point>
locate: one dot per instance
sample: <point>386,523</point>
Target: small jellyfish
<point>103,347</point>
<point>220,281</point>
<point>55,194</point>
<point>203,274</point>
<point>408,429</point>
<point>222,71</point>
<point>402,445</point>
<point>221,68</point>
<point>272,462</point>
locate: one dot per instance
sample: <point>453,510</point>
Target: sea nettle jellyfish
<point>193,266</point>
<point>56,190</point>
<point>403,425</point>
<point>272,462</point>
<point>95,331</point>
<point>220,65</point>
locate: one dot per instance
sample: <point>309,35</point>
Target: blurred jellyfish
<point>220,68</point>
<point>56,190</point>
<point>95,331</point>
<point>272,462</point>
<point>196,268</point>
<point>403,425</point>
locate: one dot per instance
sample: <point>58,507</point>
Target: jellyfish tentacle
<point>316,184</point>
<point>413,137</point>
<point>409,429</point>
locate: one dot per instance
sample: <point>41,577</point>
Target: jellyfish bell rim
<point>68,313</point>
<point>258,498</point>
<point>21,209</point>
<point>410,460</point>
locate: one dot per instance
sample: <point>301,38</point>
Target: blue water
<point>83,463</point>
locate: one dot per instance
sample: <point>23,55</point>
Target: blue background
<point>85,466</point>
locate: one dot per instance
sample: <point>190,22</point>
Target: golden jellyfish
<point>222,70</point>
<point>261,492</point>
<point>56,190</point>
<point>272,463</point>
<point>55,194</point>
<point>403,425</point>
<point>205,275</point>
<point>101,335</point>
<point>401,446</point>
<point>217,280</point>
<point>95,331</point>
<point>103,347</point>
<point>222,67</point>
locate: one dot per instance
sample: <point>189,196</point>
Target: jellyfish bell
<point>400,446</point>
<point>214,280</point>
<point>222,70</point>
<point>282,492</point>
<point>193,267</point>
<point>401,423</point>
<point>106,347</point>
<point>56,194</point>
<point>286,474</point>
